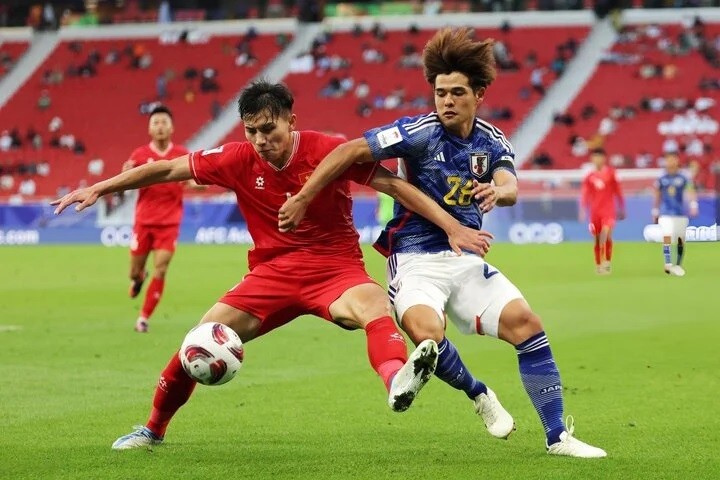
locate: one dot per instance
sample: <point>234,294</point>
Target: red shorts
<point>598,223</point>
<point>146,238</point>
<point>277,292</point>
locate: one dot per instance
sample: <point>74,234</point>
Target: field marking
<point>10,328</point>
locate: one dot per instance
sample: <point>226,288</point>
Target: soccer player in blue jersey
<point>669,210</point>
<point>467,166</point>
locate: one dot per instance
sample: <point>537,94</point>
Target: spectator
<point>542,160</point>
<point>96,166</point>
<point>536,80</point>
<point>5,141</point>
<point>44,101</point>
<point>362,90</point>
<point>215,109</point>
<point>43,169</point>
<point>161,87</point>
<point>588,111</point>
<point>27,187</point>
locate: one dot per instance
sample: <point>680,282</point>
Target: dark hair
<point>160,109</point>
<point>598,151</point>
<point>262,95</point>
<point>454,50</point>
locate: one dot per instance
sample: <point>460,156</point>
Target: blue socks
<point>666,253</point>
<point>541,379</point>
<point>451,370</point>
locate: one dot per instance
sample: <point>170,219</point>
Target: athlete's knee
<point>245,324</point>
<point>160,271</point>
<point>518,322</point>
<point>421,322</point>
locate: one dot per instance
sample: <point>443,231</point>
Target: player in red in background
<point>158,214</point>
<point>323,253</point>
<point>600,190</point>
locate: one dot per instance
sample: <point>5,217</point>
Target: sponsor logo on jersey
<point>213,150</point>
<point>479,163</point>
<point>440,157</point>
<point>388,137</point>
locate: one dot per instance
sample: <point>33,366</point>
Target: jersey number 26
<point>460,193</point>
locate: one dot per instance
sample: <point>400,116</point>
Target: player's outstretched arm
<point>331,167</point>
<point>655,212</point>
<point>176,170</point>
<point>460,237</point>
<point>692,198</point>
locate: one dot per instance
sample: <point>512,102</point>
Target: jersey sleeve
<point>406,137</point>
<point>216,166</point>
<point>504,157</point>
<point>618,191</point>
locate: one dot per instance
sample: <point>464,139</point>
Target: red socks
<point>173,390</point>
<point>608,249</point>
<point>387,350</point>
<point>597,251</point>
<point>152,297</point>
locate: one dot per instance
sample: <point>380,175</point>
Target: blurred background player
<point>158,214</point>
<point>600,190</point>
<point>669,210</point>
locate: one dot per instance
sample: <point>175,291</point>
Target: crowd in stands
<point>687,124</point>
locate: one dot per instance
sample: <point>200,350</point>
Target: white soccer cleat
<point>141,437</point>
<point>676,271</point>
<point>413,376</point>
<point>497,420</point>
<point>570,446</point>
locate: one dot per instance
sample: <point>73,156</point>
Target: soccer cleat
<point>606,267</point>
<point>136,285</point>
<point>497,420</point>
<point>413,376</point>
<point>676,271</point>
<point>141,437</point>
<point>141,326</point>
<point>570,446</point>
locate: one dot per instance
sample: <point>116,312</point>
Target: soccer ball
<point>212,353</point>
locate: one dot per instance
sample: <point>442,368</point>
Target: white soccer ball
<point>212,353</point>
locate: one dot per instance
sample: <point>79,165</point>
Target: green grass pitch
<point>638,352</point>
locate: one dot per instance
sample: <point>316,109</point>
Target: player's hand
<point>291,213</point>
<point>486,194</point>
<point>581,216</point>
<point>84,197</point>
<point>128,165</point>
<point>469,239</point>
<point>693,211</point>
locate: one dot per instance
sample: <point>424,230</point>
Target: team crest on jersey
<point>479,163</point>
<point>260,183</point>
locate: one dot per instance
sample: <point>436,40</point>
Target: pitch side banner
<point>216,223</point>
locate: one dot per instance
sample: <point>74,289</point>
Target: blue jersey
<point>672,188</point>
<point>443,166</point>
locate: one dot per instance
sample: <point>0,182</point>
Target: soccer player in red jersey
<point>600,191</point>
<point>158,214</point>
<point>324,252</point>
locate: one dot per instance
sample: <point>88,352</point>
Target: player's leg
<point>679,228</point>
<point>366,306</point>
<point>489,303</point>
<point>161,262</point>
<point>140,247</point>
<point>521,327</point>
<point>595,232</point>
<point>427,283</point>
<point>666,227</point>
<point>602,243</point>
<point>175,386</point>
<point>607,233</point>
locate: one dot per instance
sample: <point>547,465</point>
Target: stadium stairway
<point>41,46</point>
<point>561,94</point>
<point>212,133</point>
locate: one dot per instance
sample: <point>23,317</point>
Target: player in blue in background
<point>669,210</point>
<point>467,166</point>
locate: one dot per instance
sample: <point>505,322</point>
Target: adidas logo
<point>440,157</point>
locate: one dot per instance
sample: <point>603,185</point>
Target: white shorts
<point>472,291</point>
<point>673,226</point>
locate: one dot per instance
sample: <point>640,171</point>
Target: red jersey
<point>599,190</point>
<point>261,189</point>
<point>159,204</point>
